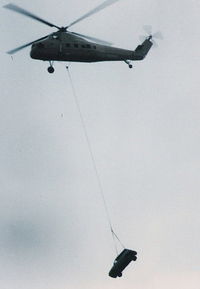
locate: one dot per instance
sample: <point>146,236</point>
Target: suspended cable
<point>114,236</point>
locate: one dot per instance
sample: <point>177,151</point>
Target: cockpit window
<point>40,45</point>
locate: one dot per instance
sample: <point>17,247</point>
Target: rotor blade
<point>155,44</point>
<point>20,10</point>
<point>148,29</point>
<point>25,45</point>
<point>157,35</point>
<point>93,11</point>
<point>92,39</point>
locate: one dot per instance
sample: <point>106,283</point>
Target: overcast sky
<point>144,129</point>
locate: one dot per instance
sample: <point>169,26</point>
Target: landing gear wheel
<point>129,63</point>
<point>50,69</point>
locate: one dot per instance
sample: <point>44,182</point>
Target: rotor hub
<point>63,29</point>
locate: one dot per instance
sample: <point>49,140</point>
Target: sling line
<point>114,236</point>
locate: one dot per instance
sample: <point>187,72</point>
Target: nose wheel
<point>50,69</point>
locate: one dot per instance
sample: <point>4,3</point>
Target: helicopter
<point>64,45</point>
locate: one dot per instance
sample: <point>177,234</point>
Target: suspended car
<point>121,262</point>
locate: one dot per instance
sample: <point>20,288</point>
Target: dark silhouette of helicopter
<point>64,45</point>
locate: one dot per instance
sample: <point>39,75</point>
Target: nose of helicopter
<point>37,50</point>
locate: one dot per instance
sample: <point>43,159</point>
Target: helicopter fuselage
<point>62,46</point>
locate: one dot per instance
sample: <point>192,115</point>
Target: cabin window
<point>76,45</point>
<point>94,47</point>
<point>83,46</point>
<point>67,44</point>
<point>88,46</point>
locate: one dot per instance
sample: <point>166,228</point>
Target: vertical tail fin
<point>141,51</point>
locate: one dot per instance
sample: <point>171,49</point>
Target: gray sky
<point>144,129</point>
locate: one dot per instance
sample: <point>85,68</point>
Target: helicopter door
<point>58,45</point>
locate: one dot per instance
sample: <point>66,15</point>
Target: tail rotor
<point>151,36</point>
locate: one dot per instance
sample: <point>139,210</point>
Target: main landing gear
<point>129,63</point>
<point>50,69</point>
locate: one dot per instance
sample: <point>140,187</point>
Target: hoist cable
<point>114,235</point>
<point>94,162</point>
